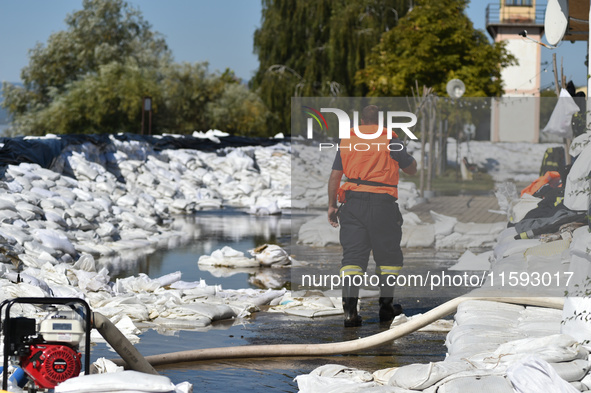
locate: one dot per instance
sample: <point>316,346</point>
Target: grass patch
<point>451,184</point>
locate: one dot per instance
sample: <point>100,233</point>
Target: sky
<point>220,32</point>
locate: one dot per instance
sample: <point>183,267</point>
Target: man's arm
<point>406,162</point>
<point>334,182</point>
<point>411,169</point>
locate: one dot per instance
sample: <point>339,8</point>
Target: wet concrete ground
<point>262,328</point>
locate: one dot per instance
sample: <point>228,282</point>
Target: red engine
<point>50,364</point>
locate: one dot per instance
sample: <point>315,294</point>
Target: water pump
<point>49,351</point>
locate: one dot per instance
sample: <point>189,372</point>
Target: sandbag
<point>535,375</point>
<point>421,376</point>
<point>116,382</point>
<point>480,384</point>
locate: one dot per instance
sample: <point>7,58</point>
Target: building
<point>516,117</point>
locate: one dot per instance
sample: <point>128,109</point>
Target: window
<point>521,3</point>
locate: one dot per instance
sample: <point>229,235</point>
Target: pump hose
<point>121,344</point>
<point>286,350</point>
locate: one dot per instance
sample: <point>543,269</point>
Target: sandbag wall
<point>90,208</point>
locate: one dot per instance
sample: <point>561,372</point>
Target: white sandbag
<point>308,306</point>
<point>488,313</point>
<point>444,225</point>
<point>85,262</point>
<point>579,143</point>
<point>525,204</point>
<point>575,196</point>
<point>169,278</point>
<point>271,255</point>
<point>410,218</point>
<point>104,365</point>
<point>25,206</point>
<point>511,247</point>
<point>140,222</point>
<point>507,235</point>
<point>550,249</point>
<point>419,236</point>
<point>318,384</point>
<point>7,204</point>
<point>55,240</point>
<point>264,206</point>
<point>52,216</point>
<point>227,256</point>
<point>42,193</point>
<point>93,281</point>
<point>139,284</point>
<point>11,216</point>
<point>318,232</point>
<point>194,322</point>
<point>472,228</point>
<point>575,318</point>
<point>421,376</point>
<point>480,384</point>
<point>116,382</point>
<point>572,371</point>
<point>555,348</point>
<point>538,321</point>
<point>536,375</point>
<point>106,229</point>
<point>82,195</point>
<point>127,200</point>
<point>383,376</point>
<point>212,311</point>
<point>470,261</point>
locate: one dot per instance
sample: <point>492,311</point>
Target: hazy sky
<point>219,32</point>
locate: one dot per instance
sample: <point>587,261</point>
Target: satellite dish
<point>556,21</point>
<point>455,88</point>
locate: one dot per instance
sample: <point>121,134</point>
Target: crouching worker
<point>369,216</point>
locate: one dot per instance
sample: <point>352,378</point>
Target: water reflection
<point>201,234</point>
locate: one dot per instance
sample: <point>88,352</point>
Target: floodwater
<point>243,232</point>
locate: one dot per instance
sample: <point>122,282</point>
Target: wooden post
<point>422,174</point>
<point>555,75</point>
<point>432,120</point>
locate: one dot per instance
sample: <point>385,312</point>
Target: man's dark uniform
<point>369,215</point>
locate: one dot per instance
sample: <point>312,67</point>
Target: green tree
<point>198,100</point>
<point>432,44</point>
<point>106,39</point>
<point>91,79</point>
<point>315,48</point>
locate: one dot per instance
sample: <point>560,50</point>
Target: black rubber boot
<point>388,310</point>
<point>350,300</point>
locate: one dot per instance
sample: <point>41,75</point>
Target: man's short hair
<point>370,114</point>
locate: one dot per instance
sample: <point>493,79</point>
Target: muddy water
<point>243,232</point>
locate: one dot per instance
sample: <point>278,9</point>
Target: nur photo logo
<point>345,123</point>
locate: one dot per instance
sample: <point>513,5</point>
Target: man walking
<point>369,215</point>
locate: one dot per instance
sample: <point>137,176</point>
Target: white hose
<point>285,350</point>
<point>121,344</point>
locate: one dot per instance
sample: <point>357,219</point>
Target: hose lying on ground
<point>286,350</point>
<point>121,344</point>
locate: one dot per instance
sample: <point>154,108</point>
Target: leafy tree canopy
<point>91,79</point>
<point>432,44</point>
<point>315,48</point>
